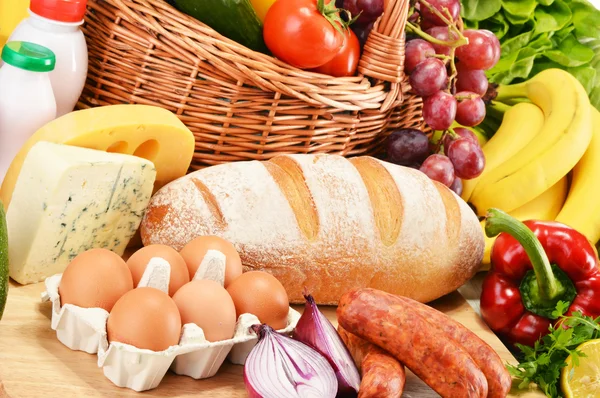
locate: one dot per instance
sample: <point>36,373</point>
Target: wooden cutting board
<point>33,363</point>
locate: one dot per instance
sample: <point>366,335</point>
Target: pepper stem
<point>497,221</point>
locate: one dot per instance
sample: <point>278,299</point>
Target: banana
<point>544,207</point>
<point>520,124</point>
<point>582,208</point>
<point>561,143</point>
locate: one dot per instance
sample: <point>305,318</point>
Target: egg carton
<point>84,329</point>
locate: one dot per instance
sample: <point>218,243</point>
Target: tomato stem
<point>332,14</point>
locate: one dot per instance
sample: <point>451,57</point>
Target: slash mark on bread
<point>211,203</point>
<point>386,199</point>
<point>450,203</point>
<point>288,175</point>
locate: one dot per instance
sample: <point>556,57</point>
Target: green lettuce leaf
<point>586,19</point>
<point>478,10</point>
<point>519,11</point>
<point>552,18</point>
<point>570,52</point>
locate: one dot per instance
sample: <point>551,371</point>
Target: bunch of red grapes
<point>450,76</point>
<point>367,10</point>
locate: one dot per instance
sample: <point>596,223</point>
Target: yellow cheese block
<point>145,131</point>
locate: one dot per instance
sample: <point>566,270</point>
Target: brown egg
<point>145,318</point>
<point>261,294</point>
<point>207,304</point>
<point>139,261</point>
<point>193,253</point>
<point>96,278</point>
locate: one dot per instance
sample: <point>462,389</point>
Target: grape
<point>362,32</point>
<point>442,33</point>
<point>371,10</point>
<point>452,5</point>
<point>416,51</point>
<point>428,77</point>
<point>495,44</point>
<point>439,168</point>
<point>407,147</point>
<point>473,80</point>
<point>480,53</point>
<point>470,112</point>
<point>462,133</point>
<point>457,186</point>
<point>439,110</point>
<point>467,158</point>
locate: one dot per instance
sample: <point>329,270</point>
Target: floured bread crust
<point>327,223</point>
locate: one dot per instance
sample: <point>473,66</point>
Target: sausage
<point>383,319</point>
<point>358,347</point>
<point>498,378</point>
<point>382,374</point>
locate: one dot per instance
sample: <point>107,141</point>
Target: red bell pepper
<point>534,265</point>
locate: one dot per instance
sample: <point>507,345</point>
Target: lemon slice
<point>583,381</point>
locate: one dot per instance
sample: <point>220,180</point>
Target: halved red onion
<point>315,330</point>
<point>279,366</point>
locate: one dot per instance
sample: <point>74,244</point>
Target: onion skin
<point>316,331</point>
<point>279,366</point>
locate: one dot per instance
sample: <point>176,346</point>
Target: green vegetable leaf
<point>542,364</point>
<point>570,53</point>
<point>558,37</point>
<point>519,11</point>
<point>496,24</point>
<point>586,75</point>
<point>595,97</point>
<point>546,2</point>
<point>541,43</point>
<point>561,308</point>
<point>552,18</point>
<point>525,59</point>
<point>517,65</point>
<point>478,10</point>
<point>516,43</point>
<point>586,19</point>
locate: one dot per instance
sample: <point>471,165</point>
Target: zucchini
<point>234,19</point>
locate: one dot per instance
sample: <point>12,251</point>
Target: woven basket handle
<point>383,53</point>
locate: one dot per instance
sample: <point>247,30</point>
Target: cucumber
<point>3,260</point>
<point>234,19</point>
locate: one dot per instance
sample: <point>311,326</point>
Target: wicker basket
<point>241,104</point>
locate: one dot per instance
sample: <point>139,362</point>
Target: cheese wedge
<point>146,131</point>
<point>68,200</point>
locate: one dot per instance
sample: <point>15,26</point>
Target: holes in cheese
<point>150,132</point>
<point>147,150</point>
<point>118,147</point>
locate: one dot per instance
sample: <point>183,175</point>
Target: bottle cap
<point>69,11</point>
<point>28,56</point>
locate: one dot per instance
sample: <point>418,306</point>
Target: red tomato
<point>344,63</point>
<point>297,32</point>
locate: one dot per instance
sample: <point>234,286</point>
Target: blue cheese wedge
<point>68,200</point>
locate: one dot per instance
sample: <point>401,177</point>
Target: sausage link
<point>382,375</point>
<point>358,347</point>
<point>490,363</point>
<point>383,319</point>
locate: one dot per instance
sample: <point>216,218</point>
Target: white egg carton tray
<point>84,329</point>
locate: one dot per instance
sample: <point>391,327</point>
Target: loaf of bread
<point>326,223</point>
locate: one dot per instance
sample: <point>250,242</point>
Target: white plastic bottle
<point>26,98</point>
<point>55,24</point>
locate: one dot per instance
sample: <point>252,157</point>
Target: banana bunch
<point>543,162</point>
